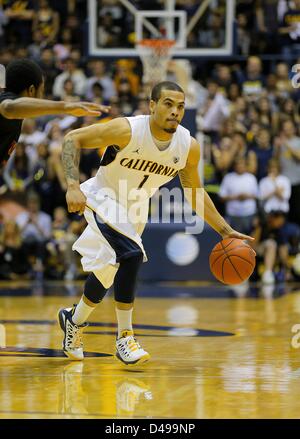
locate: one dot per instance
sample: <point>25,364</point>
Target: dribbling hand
<point>237,235</point>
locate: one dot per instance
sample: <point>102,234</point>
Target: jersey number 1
<point>143,181</point>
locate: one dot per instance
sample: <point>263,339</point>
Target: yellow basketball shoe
<point>129,351</point>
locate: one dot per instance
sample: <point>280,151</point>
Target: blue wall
<point>174,257</point>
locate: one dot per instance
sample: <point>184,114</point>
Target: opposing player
<point>23,98</point>
<point>143,153</point>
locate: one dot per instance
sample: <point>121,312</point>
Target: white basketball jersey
<point>140,165</point>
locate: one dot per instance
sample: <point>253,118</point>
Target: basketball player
<point>22,98</point>
<point>143,152</point>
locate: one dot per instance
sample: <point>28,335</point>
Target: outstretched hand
<point>80,109</point>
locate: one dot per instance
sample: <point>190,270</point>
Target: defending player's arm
<point>114,132</point>
<point>199,199</point>
<point>22,108</point>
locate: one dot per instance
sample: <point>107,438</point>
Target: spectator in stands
<point>223,78</point>
<point>215,111</point>
<point>252,133</point>
<point>239,110</point>
<point>263,150</point>
<point>272,234</point>
<point>288,152</point>
<point>55,137</point>
<point>46,20</point>
<point>287,111</point>
<point>68,93</point>
<point>62,49</point>
<point>125,75</point>
<point>283,81</point>
<point>97,92</point>
<point>18,173</point>
<point>271,90</point>
<point>47,64</point>
<point>274,189</point>
<point>20,14</point>
<point>266,16</point>
<point>31,136</point>
<point>239,191</point>
<point>290,30</point>
<point>253,115</point>
<point>252,81</point>
<point>243,35</point>
<point>35,227</point>
<point>230,126</point>
<point>74,24</point>
<point>43,178</point>
<point>14,262</point>
<point>70,72</point>
<point>229,150</point>
<point>35,48</point>
<point>99,75</point>
<point>234,92</point>
<point>214,36</point>
<point>265,114</point>
<point>109,33</point>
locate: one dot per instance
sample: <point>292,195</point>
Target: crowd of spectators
<point>247,111</point>
<point>262,26</point>
<point>250,119</point>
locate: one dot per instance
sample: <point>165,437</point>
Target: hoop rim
<point>156,43</point>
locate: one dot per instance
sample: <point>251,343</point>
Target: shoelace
<point>133,344</point>
<point>74,337</point>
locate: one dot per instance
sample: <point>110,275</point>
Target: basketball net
<point>155,56</point>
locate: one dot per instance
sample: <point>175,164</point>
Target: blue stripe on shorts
<point>123,246</point>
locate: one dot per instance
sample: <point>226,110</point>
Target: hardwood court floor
<point>211,358</point>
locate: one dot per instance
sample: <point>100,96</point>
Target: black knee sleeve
<point>93,289</point>
<point>125,279</point>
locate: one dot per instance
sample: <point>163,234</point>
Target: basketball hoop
<point>155,55</point>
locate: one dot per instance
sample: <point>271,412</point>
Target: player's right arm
<point>22,108</point>
<point>114,132</point>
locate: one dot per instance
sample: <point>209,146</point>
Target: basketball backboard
<point>199,28</point>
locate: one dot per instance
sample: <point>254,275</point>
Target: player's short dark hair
<point>21,74</point>
<point>165,85</point>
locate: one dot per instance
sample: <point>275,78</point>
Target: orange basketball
<point>232,261</point>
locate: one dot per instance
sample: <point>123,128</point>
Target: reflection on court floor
<point>211,358</point>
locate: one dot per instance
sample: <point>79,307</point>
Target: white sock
<point>124,318</point>
<point>82,312</point>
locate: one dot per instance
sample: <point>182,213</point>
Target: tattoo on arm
<point>70,159</point>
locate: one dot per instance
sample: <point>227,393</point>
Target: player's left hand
<point>80,109</point>
<point>238,235</point>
